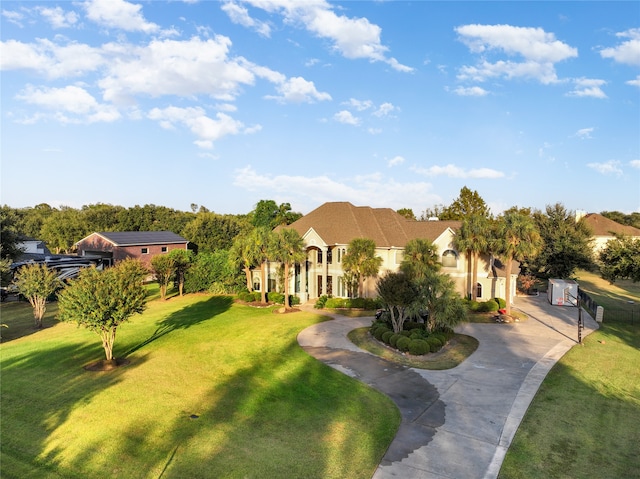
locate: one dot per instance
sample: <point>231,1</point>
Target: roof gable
<point>135,238</point>
<point>341,222</point>
<point>603,226</point>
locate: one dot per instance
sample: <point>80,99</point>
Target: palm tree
<point>260,246</point>
<point>361,261</point>
<point>473,237</point>
<point>289,250</point>
<point>419,259</point>
<point>516,238</point>
<point>241,256</point>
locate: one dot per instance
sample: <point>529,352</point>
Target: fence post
<point>599,314</point>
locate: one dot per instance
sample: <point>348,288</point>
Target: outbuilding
<point>563,292</point>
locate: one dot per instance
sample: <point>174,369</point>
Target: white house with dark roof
<point>142,245</point>
<point>328,230</point>
<point>604,230</point>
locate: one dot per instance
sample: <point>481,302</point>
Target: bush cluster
<point>348,303</point>
<point>249,296</point>
<point>414,338</point>
<point>488,306</point>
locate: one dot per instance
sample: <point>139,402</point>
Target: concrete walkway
<point>460,422</point>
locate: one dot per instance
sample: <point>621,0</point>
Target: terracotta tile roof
<point>340,222</point>
<point>603,226</point>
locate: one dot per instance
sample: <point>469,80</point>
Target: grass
<point>585,419</point>
<point>458,349</point>
<point>213,389</point>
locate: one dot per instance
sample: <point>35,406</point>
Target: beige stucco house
<point>328,229</point>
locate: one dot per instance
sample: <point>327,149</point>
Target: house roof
<point>136,238</point>
<point>603,226</point>
<point>340,222</point>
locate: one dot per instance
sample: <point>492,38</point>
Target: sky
<point>388,104</point>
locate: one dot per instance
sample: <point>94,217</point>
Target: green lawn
<point>585,419</point>
<point>264,407</point>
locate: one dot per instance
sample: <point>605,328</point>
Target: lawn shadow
<point>185,318</point>
<point>40,389</point>
<point>18,317</point>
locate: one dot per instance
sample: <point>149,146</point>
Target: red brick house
<point>143,245</point>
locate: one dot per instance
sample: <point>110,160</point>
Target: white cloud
<point>374,190</point>
<point>70,100</point>
<point>635,164</point>
<point>119,14</point>
<point>359,105</point>
<point>611,167</point>
<point>453,171</point>
<point>206,129</point>
<point>353,38</point>
<point>471,91</point>
<point>346,118</point>
<point>384,110</point>
<point>170,67</point>
<point>588,87</point>
<point>57,17</point>
<point>635,82</point>
<point>50,59</point>
<point>584,133</point>
<point>627,52</point>
<point>299,90</point>
<point>539,50</point>
<point>240,15</point>
<point>395,161</point>
<point>13,17</point>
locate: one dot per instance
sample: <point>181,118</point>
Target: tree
<point>36,282</point>
<point>473,237</point>
<point>419,259</point>
<point>102,300</point>
<point>260,246</point>
<point>466,204</point>
<point>361,261</point>
<point>620,259</point>
<point>241,255</point>
<point>438,297</point>
<point>63,228</point>
<point>268,214</point>
<point>212,232</point>
<point>9,234</point>
<point>565,243</point>
<point>407,213</point>
<point>182,260</point>
<point>397,292</point>
<point>516,238</point>
<point>289,250</point>
<point>163,268</point>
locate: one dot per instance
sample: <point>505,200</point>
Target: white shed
<point>562,292</point>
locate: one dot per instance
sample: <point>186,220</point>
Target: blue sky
<point>385,104</point>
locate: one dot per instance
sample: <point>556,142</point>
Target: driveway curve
<point>457,423</point>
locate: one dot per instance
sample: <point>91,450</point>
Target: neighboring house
<point>328,230</point>
<point>603,229</point>
<point>32,246</point>
<point>143,245</point>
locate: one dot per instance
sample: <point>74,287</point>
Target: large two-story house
<point>328,229</point>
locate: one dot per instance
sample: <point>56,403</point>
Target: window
<point>449,259</point>
<point>163,249</point>
<point>329,256</point>
<point>319,256</point>
<point>256,283</point>
<point>399,256</point>
<point>478,290</point>
<point>144,250</point>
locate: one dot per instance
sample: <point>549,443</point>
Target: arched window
<point>450,259</point>
<point>478,290</point>
<point>256,283</point>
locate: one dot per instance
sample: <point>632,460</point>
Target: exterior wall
<point>97,244</point>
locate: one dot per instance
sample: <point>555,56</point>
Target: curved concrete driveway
<point>460,422</point>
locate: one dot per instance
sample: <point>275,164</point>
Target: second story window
<point>329,256</point>
<point>319,256</point>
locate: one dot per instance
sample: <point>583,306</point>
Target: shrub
<point>356,303</point>
<point>442,337</point>
<point>434,343</point>
<point>410,325</point>
<point>386,336</point>
<point>501,303</point>
<point>419,347</point>
<point>379,331</point>
<point>321,301</point>
<point>294,300</point>
<point>274,297</point>
<point>406,334</point>
<point>403,343</point>
<point>419,333</point>
<point>488,306</point>
<point>394,339</point>
<point>372,304</point>
<point>474,305</point>
<point>337,303</point>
